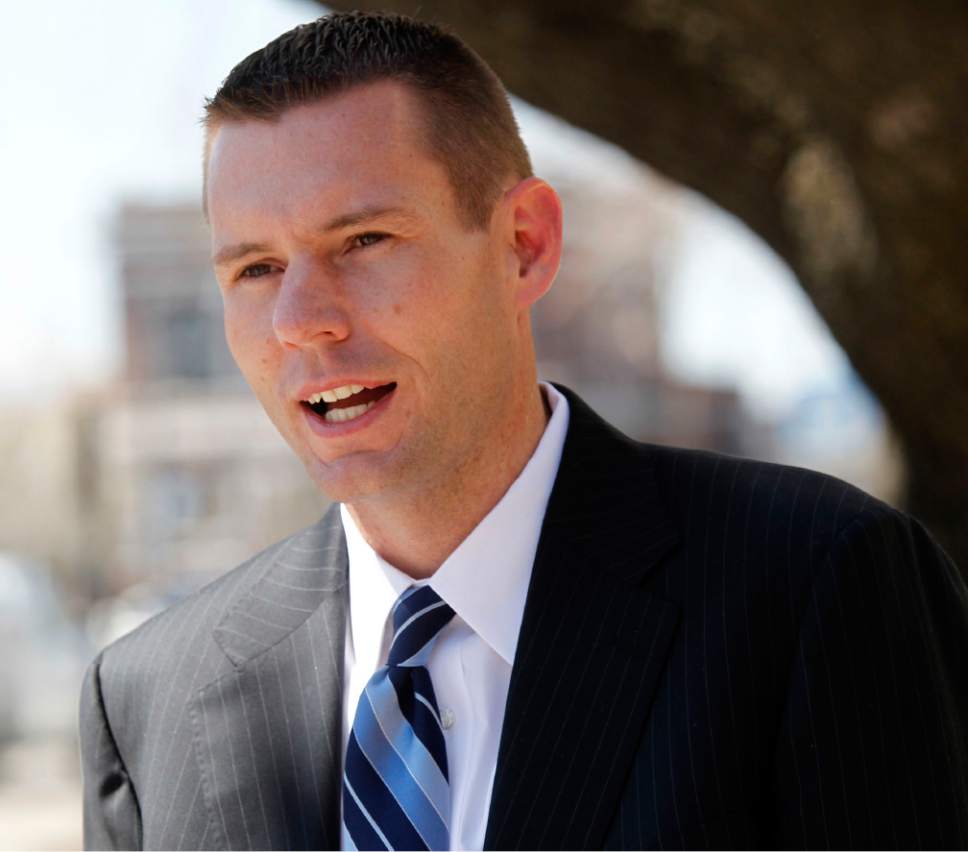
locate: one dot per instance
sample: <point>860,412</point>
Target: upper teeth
<point>334,394</point>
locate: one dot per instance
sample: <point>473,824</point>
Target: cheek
<point>248,340</point>
<point>235,337</point>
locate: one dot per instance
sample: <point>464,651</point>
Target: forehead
<point>363,147</point>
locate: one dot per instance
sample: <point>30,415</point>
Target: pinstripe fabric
<point>206,728</point>
<point>810,694</point>
<point>757,656</point>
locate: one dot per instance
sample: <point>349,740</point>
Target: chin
<point>348,480</point>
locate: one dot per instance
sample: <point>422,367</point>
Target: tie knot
<point>418,616</point>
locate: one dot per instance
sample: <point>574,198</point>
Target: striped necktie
<point>396,792</point>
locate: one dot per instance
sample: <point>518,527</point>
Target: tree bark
<point>836,131</point>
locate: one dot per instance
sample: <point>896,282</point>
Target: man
<point>611,644</point>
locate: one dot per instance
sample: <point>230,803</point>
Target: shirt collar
<point>485,580</point>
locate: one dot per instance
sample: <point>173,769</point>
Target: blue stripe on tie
<point>413,754</point>
<point>426,705</point>
<point>426,808</point>
<point>419,615</point>
<point>412,601</point>
<point>408,615</point>
<point>424,687</point>
<point>405,595</point>
<point>395,787</point>
<point>360,829</point>
<point>347,840</point>
<point>379,800</point>
<point>410,685</point>
<point>414,635</point>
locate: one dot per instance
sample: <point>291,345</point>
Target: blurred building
<point>41,503</point>
<point>171,307</point>
<point>597,330</point>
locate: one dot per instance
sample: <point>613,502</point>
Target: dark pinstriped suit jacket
<point>714,653</point>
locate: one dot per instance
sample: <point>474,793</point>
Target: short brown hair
<point>471,130</point>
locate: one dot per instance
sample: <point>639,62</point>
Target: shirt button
<point>447,719</point>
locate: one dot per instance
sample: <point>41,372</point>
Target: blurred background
<point>792,167</point>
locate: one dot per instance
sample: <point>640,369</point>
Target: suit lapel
<point>268,735</point>
<point>592,646</point>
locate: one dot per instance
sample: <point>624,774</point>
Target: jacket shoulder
<point>701,485</point>
<point>780,534</point>
<point>777,522</point>
<point>185,627</point>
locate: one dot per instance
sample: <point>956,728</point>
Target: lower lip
<point>340,429</point>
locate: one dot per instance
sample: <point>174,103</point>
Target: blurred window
<point>187,342</point>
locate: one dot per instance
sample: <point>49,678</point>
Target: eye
<point>368,239</point>
<point>256,270</point>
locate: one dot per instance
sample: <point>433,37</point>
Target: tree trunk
<point>835,130</point>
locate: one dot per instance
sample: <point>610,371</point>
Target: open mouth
<point>348,402</point>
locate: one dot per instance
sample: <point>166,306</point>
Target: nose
<point>310,308</point>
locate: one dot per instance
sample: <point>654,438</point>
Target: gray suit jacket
<point>714,653</point>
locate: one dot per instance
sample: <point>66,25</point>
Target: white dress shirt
<point>485,580</point>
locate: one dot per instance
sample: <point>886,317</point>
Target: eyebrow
<point>232,253</point>
<point>348,220</point>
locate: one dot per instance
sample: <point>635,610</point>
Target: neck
<point>415,535</point>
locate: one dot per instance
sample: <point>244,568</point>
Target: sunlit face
<point>342,261</point>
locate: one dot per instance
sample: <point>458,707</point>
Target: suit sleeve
<point>872,746</point>
<point>111,814</point>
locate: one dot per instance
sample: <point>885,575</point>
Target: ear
<point>533,234</point>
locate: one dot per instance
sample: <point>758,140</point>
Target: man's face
<point>343,263</point>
